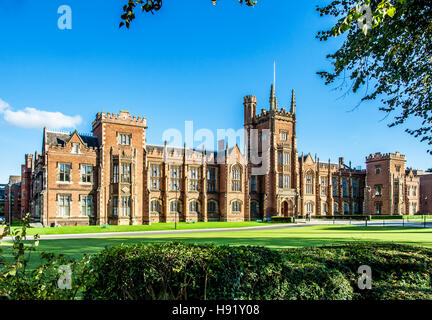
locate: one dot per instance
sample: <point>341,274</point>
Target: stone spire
<point>273,99</point>
<point>293,102</point>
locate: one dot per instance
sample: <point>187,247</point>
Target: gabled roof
<point>61,138</point>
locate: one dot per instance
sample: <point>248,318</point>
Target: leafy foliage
<point>19,283</point>
<point>392,59</point>
<point>187,271</point>
<point>155,5</point>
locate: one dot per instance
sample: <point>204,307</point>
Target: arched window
<point>309,182</point>
<point>236,178</point>
<point>194,206</point>
<point>254,209</point>
<point>344,187</point>
<point>175,206</point>
<point>155,206</point>
<point>236,206</point>
<point>309,207</point>
<point>324,208</point>
<point>335,187</point>
<point>212,206</point>
<point>336,208</point>
<point>346,208</point>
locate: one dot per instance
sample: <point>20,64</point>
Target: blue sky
<point>193,62</point>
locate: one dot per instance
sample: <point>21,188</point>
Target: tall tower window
<point>115,173</point>
<point>155,176</point>
<point>284,181</point>
<point>236,178</point>
<point>175,178</point>
<point>344,187</point>
<point>309,184</point>
<point>211,179</point>
<point>253,184</point>
<point>126,173</point>
<point>323,183</point>
<point>355,187</point>
<point>377,169</point>
<point>335,187</point>
<point>194,178</point>
<point>283,158</point>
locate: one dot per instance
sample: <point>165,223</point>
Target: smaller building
<point>13,199</point>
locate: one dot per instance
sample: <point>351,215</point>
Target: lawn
<point>153,227</point>
<point>273,238</point>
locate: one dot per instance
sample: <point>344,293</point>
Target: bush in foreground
<point>187,271</point>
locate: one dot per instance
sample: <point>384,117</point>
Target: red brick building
<point>113,176</point>
<point>426,193</point>
<point>12,203</point>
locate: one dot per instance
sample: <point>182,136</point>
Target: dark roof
<point>61,138</point>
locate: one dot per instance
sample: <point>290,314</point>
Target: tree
<point>388,52</point>
<point>155,5</point>
<point>429,170</point>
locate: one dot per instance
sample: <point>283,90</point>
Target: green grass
<point>272,238</point>
<point>153,227</point>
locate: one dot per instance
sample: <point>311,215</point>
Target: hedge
<point>386,217</point>
<point>344,217</point>
<point>188,271</point>
<point>281,219</point>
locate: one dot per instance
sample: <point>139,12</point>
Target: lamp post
<point>177,202</point>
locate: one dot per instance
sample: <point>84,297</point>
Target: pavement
<point>300,223</point>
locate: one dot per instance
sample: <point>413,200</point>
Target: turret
<point>273,99</point>
<point>293,102</point>
<point>250,104</point>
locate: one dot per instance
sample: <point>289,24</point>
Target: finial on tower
<point>293,102</point>
<point>273,99</point>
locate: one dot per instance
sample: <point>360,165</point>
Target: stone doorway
<point>287,209</point>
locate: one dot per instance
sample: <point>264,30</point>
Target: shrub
<point>280,219</point>
<point>186,271</point>
<point>17,282</point>
<point>386,217</point>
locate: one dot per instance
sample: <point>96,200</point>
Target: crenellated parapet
<point>122,118</point>
<point>378,156</point>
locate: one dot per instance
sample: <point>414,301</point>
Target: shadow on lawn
<point>77,247</point>
<point>374,228</point>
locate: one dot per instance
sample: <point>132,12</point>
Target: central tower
<point>277,188</point>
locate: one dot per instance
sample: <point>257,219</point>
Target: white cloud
<point>34,118</point>
<point>3,106</point>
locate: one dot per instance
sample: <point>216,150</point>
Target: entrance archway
<point>287,209</point>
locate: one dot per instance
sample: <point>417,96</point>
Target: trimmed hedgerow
<point>187,271</point>
<point>280,219</point>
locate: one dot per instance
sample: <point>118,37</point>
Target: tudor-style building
<point>113,176</point>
